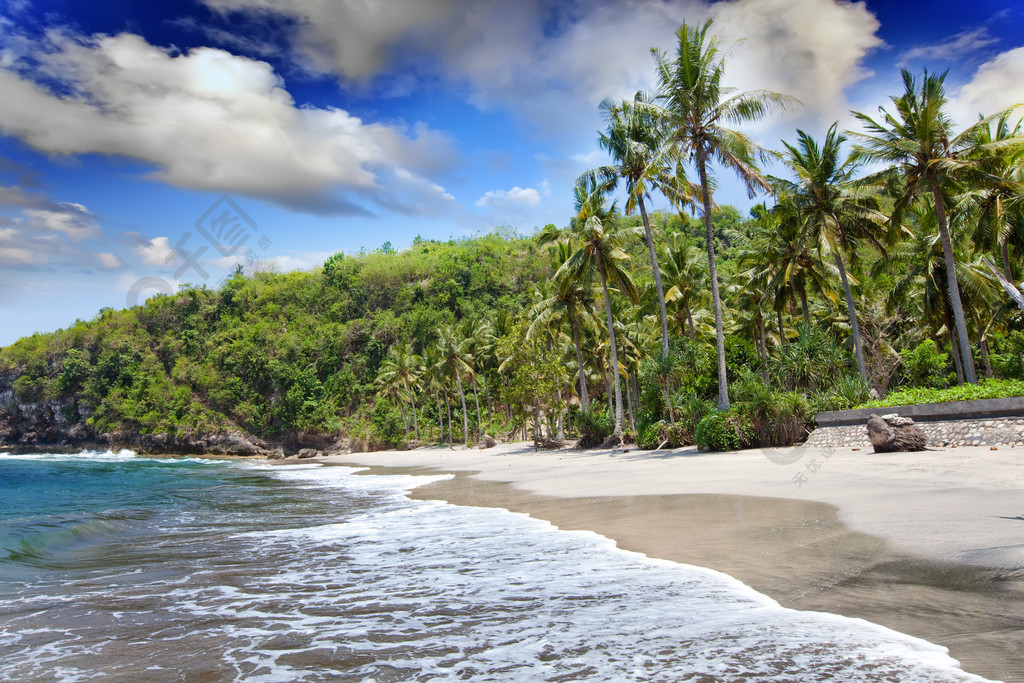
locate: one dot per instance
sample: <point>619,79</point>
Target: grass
<point>988,388</point>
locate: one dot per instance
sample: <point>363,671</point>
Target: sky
<point>144,145</point>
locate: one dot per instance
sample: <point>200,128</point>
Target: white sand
<point>953,504</point>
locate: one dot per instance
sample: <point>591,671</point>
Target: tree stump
<point>892,433</point>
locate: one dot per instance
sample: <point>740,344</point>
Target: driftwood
<point>892,433</point>
<point>548,444</point>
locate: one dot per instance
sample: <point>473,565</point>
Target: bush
<point>594,426</point>
<point>727,431</point>
<point>988,388</point>
<point>1009,361</point>
<point>925,365</point>
<point>386,423</point>
<point>846,393</point>
<point>661,432</point>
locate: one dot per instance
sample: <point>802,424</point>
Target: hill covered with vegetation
<point>691,325</point>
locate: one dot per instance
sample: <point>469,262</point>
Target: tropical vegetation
<point>874,269</point>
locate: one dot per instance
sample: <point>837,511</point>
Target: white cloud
<point>155,252</point>
<point>210,120</point>
<point>73,220</point>
<point>553,62</point>
<point>109,261</point>
<point>996,85</point>
<point>517,196</point>
<point>953,48</point>
<point>42,232</point>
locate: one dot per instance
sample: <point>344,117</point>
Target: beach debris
<point>488,442</point>
<point>613,441</point>
<point>548,444</point>
<point>892,433</point>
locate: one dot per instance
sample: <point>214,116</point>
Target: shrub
<point>1009,361</point>
<point>594,426</point>
<point>987,388</point>
<point>661,432</point>
<point>925,365</point>
<point>726,431</point>
<point>846,393</point>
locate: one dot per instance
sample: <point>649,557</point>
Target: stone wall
<point>1007,431</point>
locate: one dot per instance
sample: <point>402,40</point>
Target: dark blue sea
<point>131,568</point>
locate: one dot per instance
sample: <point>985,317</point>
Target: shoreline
<point>927,543</point>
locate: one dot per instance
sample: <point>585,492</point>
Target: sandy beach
<point>930,543</point>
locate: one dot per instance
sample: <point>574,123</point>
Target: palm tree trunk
<point>689,318</point>
<point>465,415</point>
<point>584,399</point>
<point>954,288</point>
<point>405,416</point>
<point>415,419</point>
<point>448,405</point>
<point>782,331</point>
<point>615,353</point>
<point>803,304</point>
<point>709,230</point>
<point>954,348</point>
<point>476,398</point>
<point>1004,250</point>
<point>561,422</point>
<point>649,238</point>
<point>629,403</point>
<point>763,346</point>
<point>857,349</point>
<point>985,358</point>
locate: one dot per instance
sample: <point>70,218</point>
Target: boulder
<point>892,433</point>
<point>488,442</point>
<point>307,453</point>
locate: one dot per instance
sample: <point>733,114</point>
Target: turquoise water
<point>134,568</point>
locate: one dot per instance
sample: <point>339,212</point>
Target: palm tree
<point>696,109</point>
<point>456,364</point>
<point>400,368</point>
<point>570,301</point>
<point>633,140</point>
<point>830,210</point>
<point>918,143</point>
<point>683,265</point>
<point>598,246</point>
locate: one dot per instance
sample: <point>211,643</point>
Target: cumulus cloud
<point>210,120</point>
<point>517,196</point>
<point>156,251</point>
<point>996,85</point>
<point>553,62</point>
<point>952,48</point>
<point>109,261</point>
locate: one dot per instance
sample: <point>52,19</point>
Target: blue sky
<point>341,125</point>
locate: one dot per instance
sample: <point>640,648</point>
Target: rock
<point>307,453</point>
<point>488,442</point>
<point>888,437</point>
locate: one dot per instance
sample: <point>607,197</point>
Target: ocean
<point>157,569</point>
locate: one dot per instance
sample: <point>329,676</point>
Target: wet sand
<point>963,587</point>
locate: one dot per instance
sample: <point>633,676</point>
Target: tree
<point>400,369</point>
<point>598,247</point>
<point>696,109</point>
<point>633,140</point>
<point>456,364</point>
<point>832,213</point>
<point>918,143</point>
<point>572,302</point>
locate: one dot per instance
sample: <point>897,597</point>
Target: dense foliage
<point>664,327</point>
